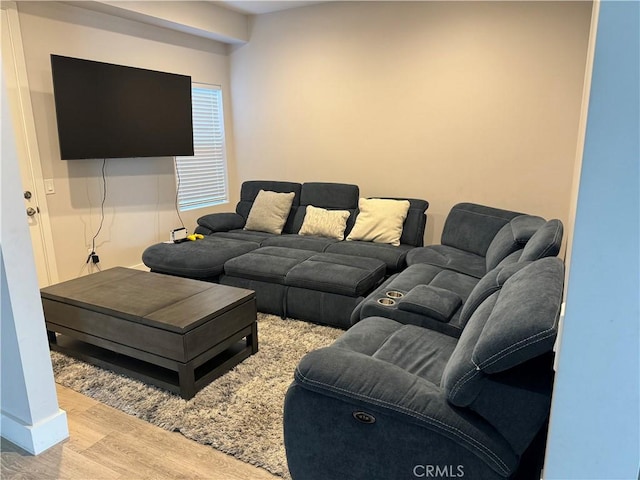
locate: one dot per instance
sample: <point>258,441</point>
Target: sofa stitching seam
<point>453,430</point>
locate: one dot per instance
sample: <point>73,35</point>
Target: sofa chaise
<point>393,400</point>
<point>311,251</point>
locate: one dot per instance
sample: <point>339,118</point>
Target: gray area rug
<point>240,413</point>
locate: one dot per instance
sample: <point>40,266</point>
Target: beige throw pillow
<point>324,223</point>
<point>269,212</point>
<point>380,220</point>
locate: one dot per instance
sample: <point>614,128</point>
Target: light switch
<point>48,186</point>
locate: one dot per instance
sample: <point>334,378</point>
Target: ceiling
<point>264,6</point>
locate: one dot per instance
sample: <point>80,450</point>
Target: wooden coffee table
<point>176,333</point>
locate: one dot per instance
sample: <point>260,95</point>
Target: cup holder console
<point>387,302</point>
<point>394,294</point>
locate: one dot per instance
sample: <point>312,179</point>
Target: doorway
<point>34,192</point>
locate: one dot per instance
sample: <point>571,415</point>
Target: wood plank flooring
<point>107,444</point>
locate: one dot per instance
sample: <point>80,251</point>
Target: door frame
<point>25,127</point>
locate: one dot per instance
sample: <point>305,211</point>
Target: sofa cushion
<point>545,242</point>
<point>245,235</point>
<point>472,227</point>
<point>416,350</point>
<point>403,282</point>
<point>332,196</point>
<point>324,223</point>
<point>431,301</point>
<point>393,257</point>
<point>333,273</point>
<point>487,286</point>
<point>335,196</point>
<point>267,264</point>
<point>250,189</point>
<point>509,328</point>
<point>415,223</point>
<point>222,222</point>
<point>513,236</point>
<point>200,259</point>
<point>523,323</point>
<point>269,212</point>
<point>380,220</point>
<point>451,258</point>
<point>300,242</point>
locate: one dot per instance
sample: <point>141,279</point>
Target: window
<point>202,178</point>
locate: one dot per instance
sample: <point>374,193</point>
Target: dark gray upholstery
<point>545,242</point>
<point>267,264</point>
<point>466,274</point>
<point>300,242</point>
<point>185,259</point>
<point>472,227</point>
<point>416,275</point>
<point>261,271</point>
<point>476,238</point>
<point>393,257</point>
<point>513,236</point>
<point>394,396</point>
<point>449,258</point>
<point>321,287</point>
<point>341,274</point>
<point>434,302</point>
<point>249,191</point>
<point>331,196</point>
<point>222,222</point>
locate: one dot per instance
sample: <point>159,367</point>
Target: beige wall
<point>447,101</point>
<point>450,102</point>
<point>139,208</point>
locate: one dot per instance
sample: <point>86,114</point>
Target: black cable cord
<point>175,164</point>
<point>104,198</point>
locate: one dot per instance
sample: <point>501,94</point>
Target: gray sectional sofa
<point>310,277</point>
<point>446,369</point>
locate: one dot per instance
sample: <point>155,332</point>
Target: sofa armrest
<point>222,222</point>
<point>431,301</point>
<point>386,389</point>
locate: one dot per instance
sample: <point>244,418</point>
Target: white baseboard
<point>37,438</point>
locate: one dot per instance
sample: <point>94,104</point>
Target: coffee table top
<point>171,303</point>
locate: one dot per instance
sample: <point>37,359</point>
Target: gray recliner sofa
<point>390,400</point>
<point>308,277</point>
<point>481,247</point>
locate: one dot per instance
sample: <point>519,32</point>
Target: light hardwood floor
<point>105,443</point>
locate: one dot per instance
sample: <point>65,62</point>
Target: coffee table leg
<point>187,380</point>
<point>252,338</point>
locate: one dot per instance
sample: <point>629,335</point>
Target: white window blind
<point>202,178</point>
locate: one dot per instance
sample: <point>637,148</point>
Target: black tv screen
<point>113,111</point>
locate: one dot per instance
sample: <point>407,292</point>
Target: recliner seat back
<point>330,196</point>
<point>472,227</point>
<point>512,237</point>
<point>501,365</point>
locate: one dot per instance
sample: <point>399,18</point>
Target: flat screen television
<point>113,111</point>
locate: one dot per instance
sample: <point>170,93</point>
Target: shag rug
<point>240,413</point>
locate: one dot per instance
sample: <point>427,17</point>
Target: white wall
<point>140,204</point>
<point>595,417</point>
<point>447,101</point>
